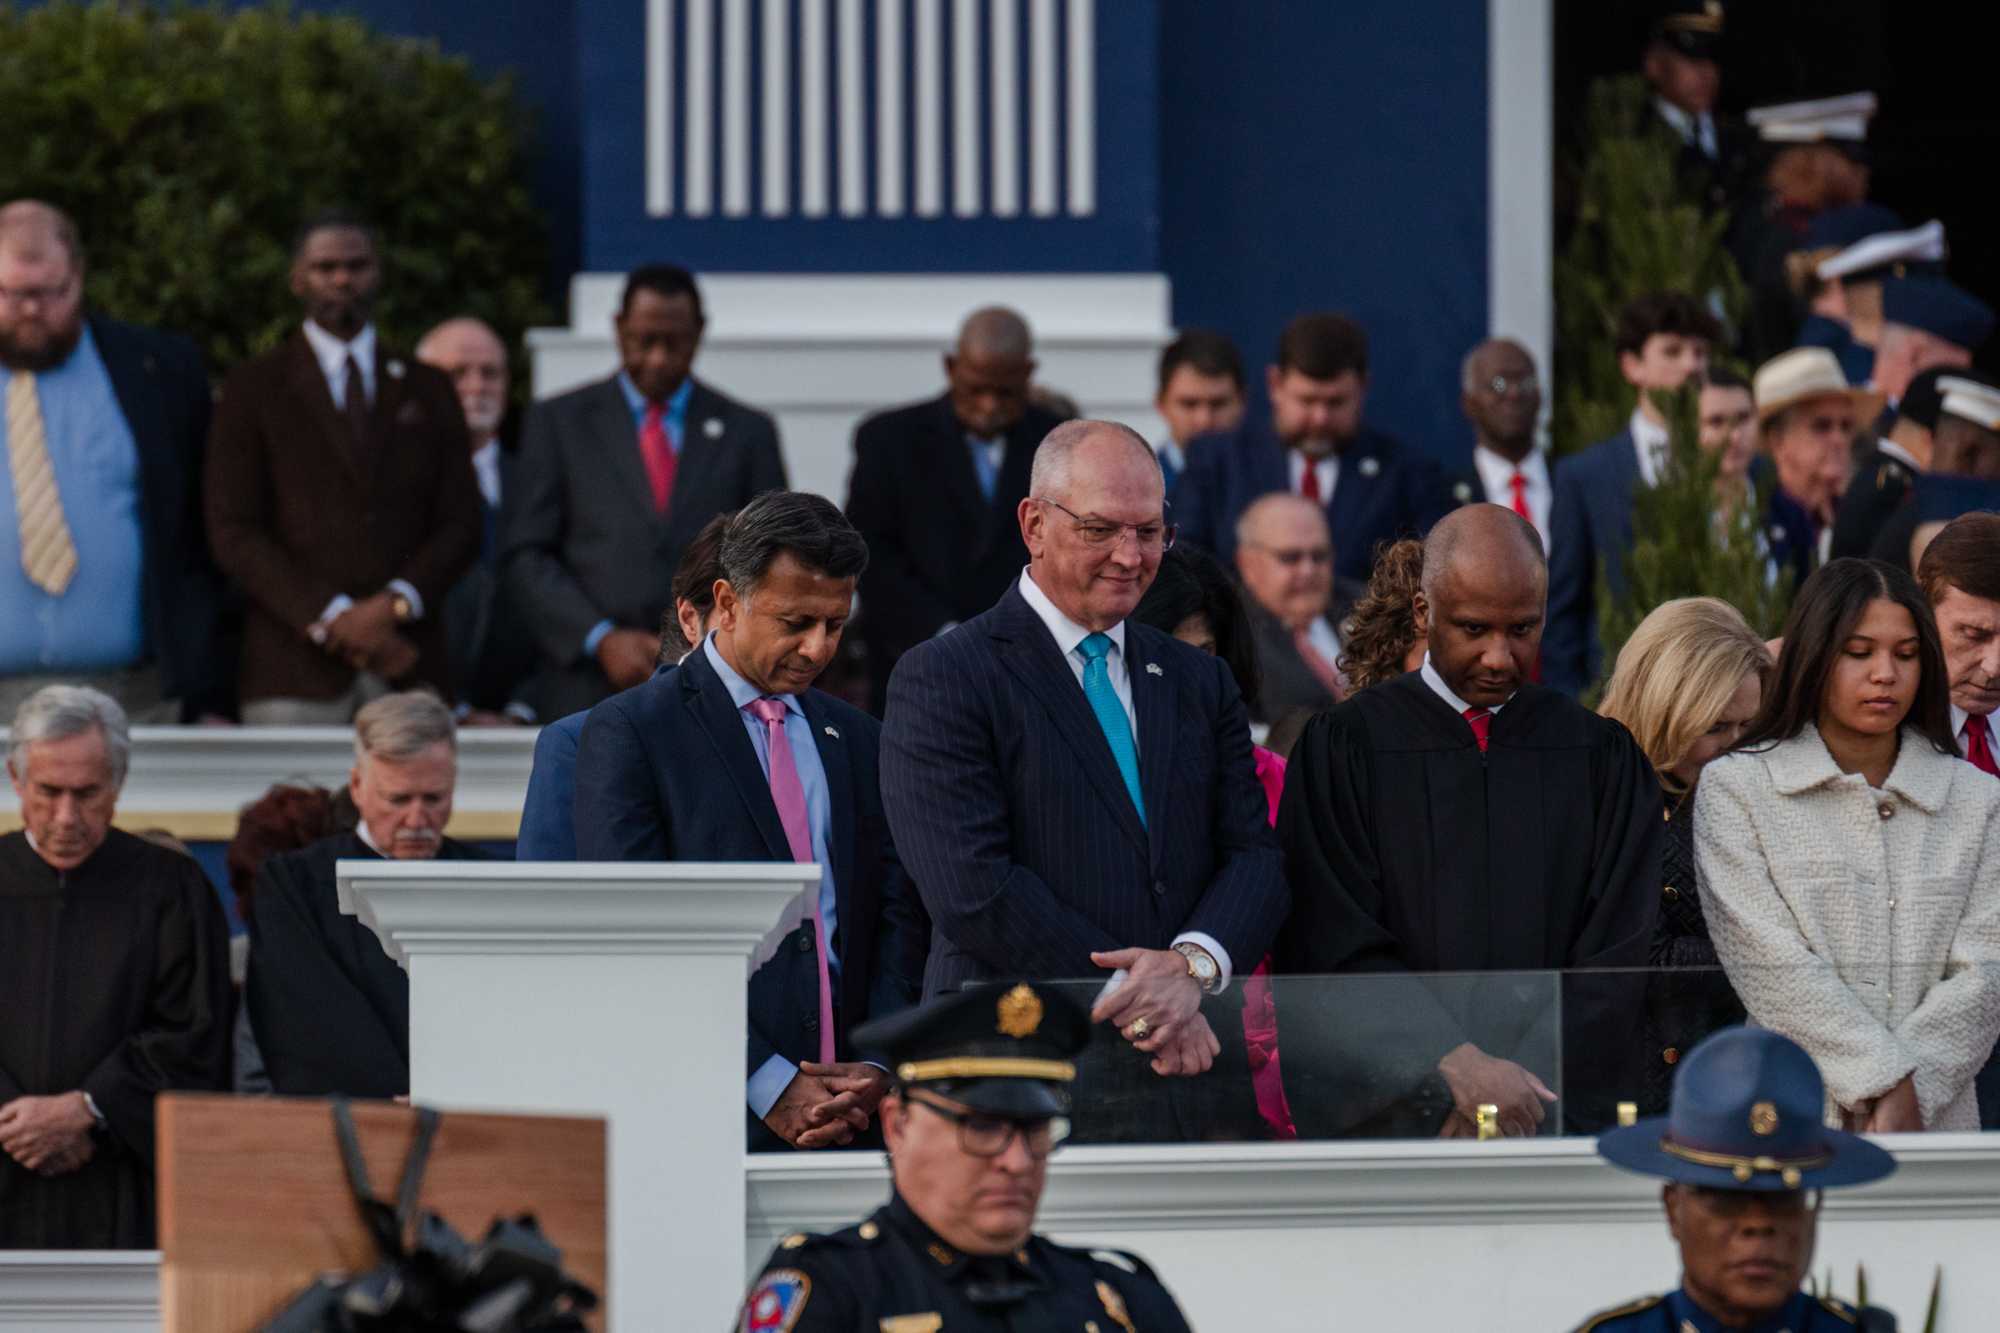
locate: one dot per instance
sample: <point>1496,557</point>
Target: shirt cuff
<point>317,630</point>
<point>90,1105</point>
<point>410,595</point>
<point>1215,951</point>
<point>596,636</point>
<point>521,712</point>
<point>769,1083</point>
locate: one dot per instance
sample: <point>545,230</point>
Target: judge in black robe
<point>330,1009</point>
<point>1412,852</point>
<point>114,981</point>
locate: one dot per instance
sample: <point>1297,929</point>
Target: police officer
<point>1747,1156</point>
<point>979,1089</point>
<point>1886,472</point>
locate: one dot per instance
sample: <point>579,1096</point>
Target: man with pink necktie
<point>612,482</point>
<point>732,756</point>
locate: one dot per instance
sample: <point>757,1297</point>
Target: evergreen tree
<point>1687,543</point>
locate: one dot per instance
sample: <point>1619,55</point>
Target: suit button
<point>1886,810</point>
<point>812,1022</point>
<point>1160,887</point>
<point>1670,893</point>
<point>805,939</point>
<point>1671,1055</point>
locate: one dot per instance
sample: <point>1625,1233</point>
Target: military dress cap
<point>1006,1048</point>
<point>1692,27</point>
<point>1889,254</point>
<point>1939,307</point>
<point>1969,399</point>
<point>1840,121</point>
<point>1746,1115</point>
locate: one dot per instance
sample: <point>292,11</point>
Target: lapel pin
<point>1153,669</point>
<point>1461,493</point>
<point>1369,466</point>
<point>833,733</point>
<point>395,369</point>
<point>712,428</point>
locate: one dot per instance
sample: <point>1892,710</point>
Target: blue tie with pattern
<point>1111,714</point>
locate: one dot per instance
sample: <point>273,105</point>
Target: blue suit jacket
<point>1590,526</point>
<point>1009,809</point>
<point>666,772</point>
<point>1384,493</point>
<point>548,831</point>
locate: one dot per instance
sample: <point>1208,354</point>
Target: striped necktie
<point>48,555</point>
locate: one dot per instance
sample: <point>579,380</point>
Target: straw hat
<point>1804,373</point>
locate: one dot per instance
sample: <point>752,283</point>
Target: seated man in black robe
<point>330,1010</point>
<point>114,985</point>
<point>1458,819</point>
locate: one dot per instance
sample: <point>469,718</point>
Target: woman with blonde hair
<point>1686,684</point>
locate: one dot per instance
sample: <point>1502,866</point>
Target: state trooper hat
<point>1691,27</point>
<point>1746,1115</point>
<point>1006,1048</point>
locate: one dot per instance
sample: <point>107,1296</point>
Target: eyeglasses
<point>13,297</point>
<point>984,1135</point>
<point>1101,532</point>
<point>1502,385</point>
<point>1289,556</point>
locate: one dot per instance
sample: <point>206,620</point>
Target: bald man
<point>935,487</point>
<point>1284,554</point>
<point>1074,794</point>
<point>1459,819</point>
<point>116,589</point>
<point>1501,396</point>
<point>492,651</point>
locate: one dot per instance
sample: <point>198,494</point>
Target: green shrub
<point>189,143</point>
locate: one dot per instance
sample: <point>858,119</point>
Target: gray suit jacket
<point>579,541</point>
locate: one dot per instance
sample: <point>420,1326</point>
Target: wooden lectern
<point>254,1202</point>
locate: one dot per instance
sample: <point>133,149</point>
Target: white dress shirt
<point>1327,470</point>
<point>1649,442</point>
<point>1446,693</point>
<point>1496,474</point>
<point>1068,634</point>
<point>486,467</point>
<point>1699,132</point>
<point>1325,640</point>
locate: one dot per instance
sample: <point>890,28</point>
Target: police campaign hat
<point>1006,1048</point>
<point>1746,1115</point>
<point>1939,307</point>
<point>1691,27</point>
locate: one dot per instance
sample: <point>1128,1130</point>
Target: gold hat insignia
<point>1763,1119</point>
<point>1020,1012</point>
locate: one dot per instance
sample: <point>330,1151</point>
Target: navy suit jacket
<point>666,772</point>
<point>1010,812</point>
<point>548,828</point>
<point>1590,526</point>
<point>1384,493</point>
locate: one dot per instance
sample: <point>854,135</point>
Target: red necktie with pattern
<point>1979,744</point>
<point>658,452</point>
<point>1479,719</point>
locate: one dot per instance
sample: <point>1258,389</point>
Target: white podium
<point>612,989</point>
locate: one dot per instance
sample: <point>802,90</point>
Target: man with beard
<point>340,498</point>
<point>1458,819</point>
<point>1501,396</point>
<point>106,579</point>
<point>330,1010</point>
<point>114,985</point>
<point>492,654</point>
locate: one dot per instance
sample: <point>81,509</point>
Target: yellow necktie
<point>47,553</point>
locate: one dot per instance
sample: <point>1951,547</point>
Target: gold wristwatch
<point>404,612</point>
<point>1201,965</point>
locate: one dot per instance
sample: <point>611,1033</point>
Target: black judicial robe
<point>1410,852</point>
<point>330,1009</point>
<point>114,980</point>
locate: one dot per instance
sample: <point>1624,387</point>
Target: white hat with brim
<point>1969,400</point>
<point>1805,373</point>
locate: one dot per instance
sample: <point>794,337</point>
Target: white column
<point>1520,193</point>
<point>615,990</point>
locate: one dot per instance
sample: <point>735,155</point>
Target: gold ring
<point>1140,1027</point>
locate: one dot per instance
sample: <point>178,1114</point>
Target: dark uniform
<point>1002,1053</point>
<point>1745,1119</point>
<point>1885,475</point>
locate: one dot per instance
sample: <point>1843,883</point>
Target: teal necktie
<point>1111,714</point>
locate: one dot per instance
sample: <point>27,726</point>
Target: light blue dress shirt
<point>770,1081</point>
<point>676,422</point>
<point>99,623</point>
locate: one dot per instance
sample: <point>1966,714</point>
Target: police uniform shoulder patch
<point>1639,1306</point>
<point>777,1301</point>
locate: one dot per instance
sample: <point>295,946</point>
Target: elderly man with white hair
<point>330,1010</point>
<point>114,985</point>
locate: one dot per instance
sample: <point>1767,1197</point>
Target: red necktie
<point>1323,671</point>
<point>658,452</point>
<point>1479,719</point>
<point>1309,482</point>
<point>1520,484</point>
<point>1979,744</point>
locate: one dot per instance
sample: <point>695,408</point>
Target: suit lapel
<point>704,441</point>
<point>1359,469</point>
<point>952,458</point>
<point>1153,701</point>
<point>834,758</point>
<point>308,386</point>
<point>709,701</point>
<point>1030,652</point>
<point>618,439</point>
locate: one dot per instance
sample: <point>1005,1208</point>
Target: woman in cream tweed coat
<point>1850,860</point>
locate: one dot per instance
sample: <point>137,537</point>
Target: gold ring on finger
<point>1140,1027</point>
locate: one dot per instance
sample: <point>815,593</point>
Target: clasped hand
<point>826,1105</point>
<point>364,636</point>
<point>1158,1010</point>
<point>1478,1079</point>
<point>48,1135</point>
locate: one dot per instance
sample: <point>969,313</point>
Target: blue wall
<point>1333,160</point>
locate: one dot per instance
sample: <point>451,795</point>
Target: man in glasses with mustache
<point>979,1100</point>
<point>330,1010</point>
<point>1746,1158</point>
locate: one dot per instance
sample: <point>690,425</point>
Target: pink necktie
<point>657,451</point>
<point>789,795</point>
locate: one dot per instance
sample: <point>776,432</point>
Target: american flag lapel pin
<point>1153,669</point>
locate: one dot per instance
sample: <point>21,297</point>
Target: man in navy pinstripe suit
<point>1075,797</point>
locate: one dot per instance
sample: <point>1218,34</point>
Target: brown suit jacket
<point>298,514</point>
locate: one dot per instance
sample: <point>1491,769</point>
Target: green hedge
<point>189,143</point>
